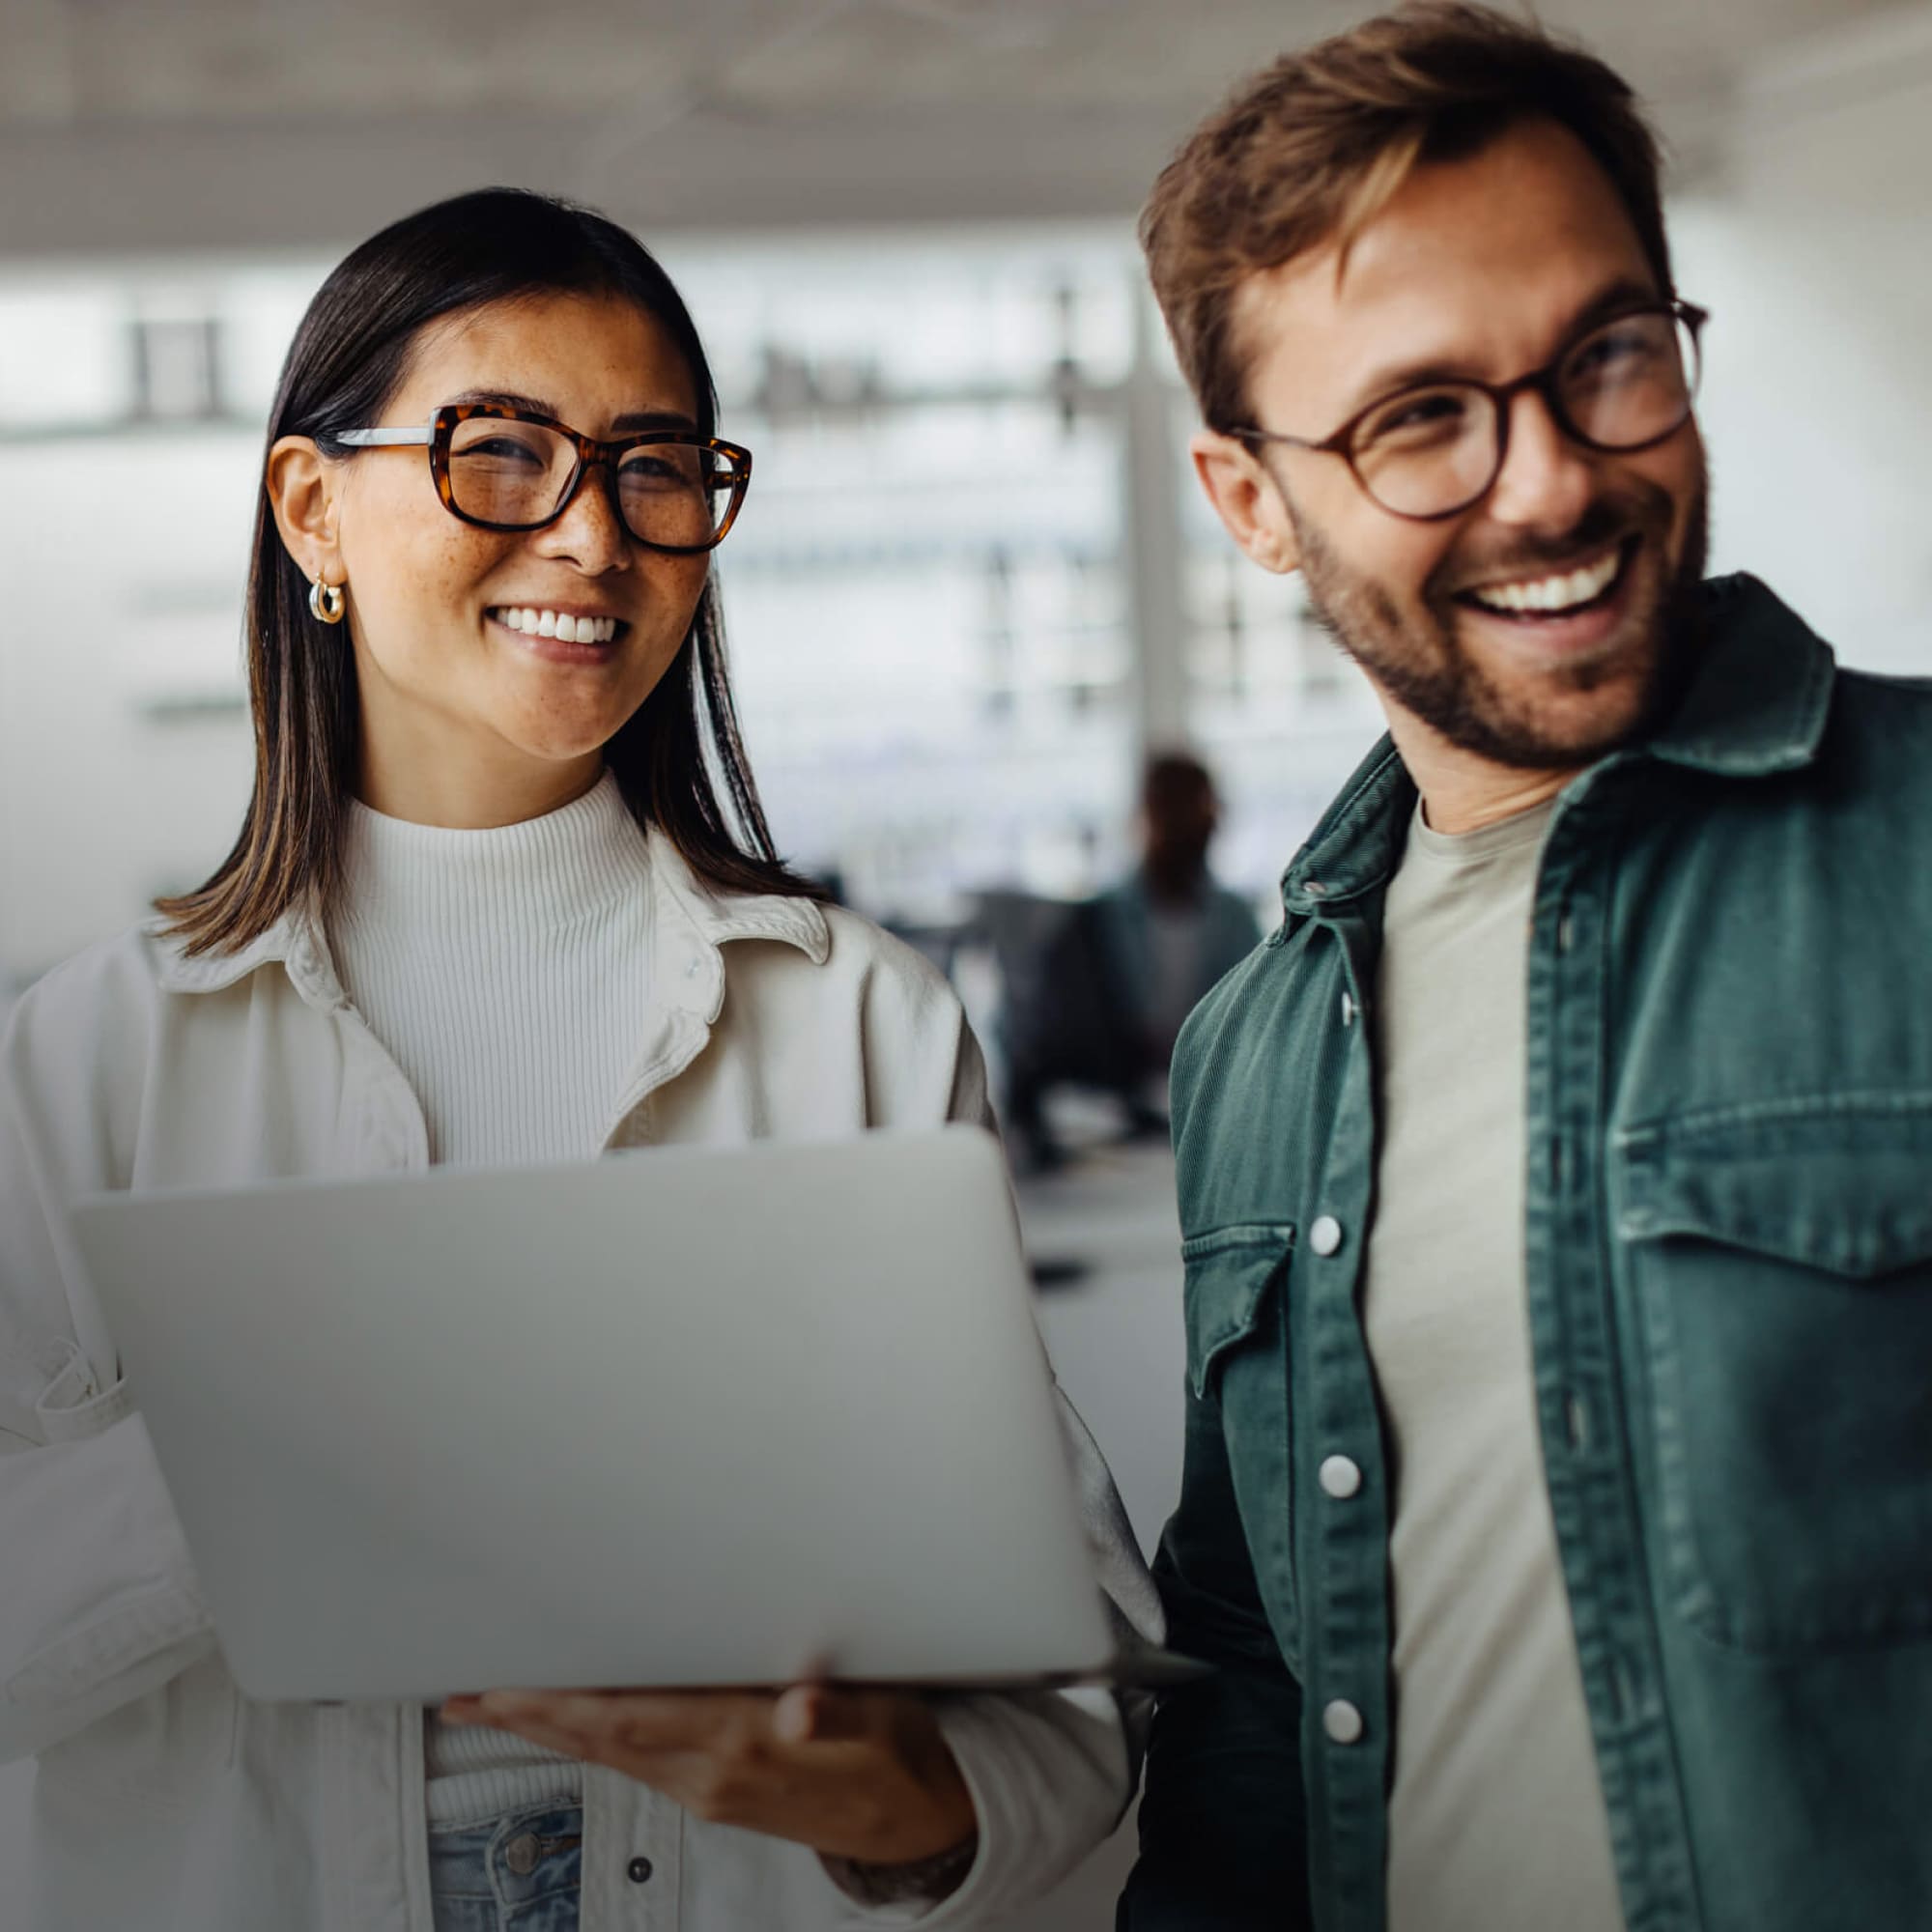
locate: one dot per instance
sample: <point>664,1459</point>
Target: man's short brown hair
<point>1311,149</point>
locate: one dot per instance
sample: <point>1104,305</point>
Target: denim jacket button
<point>1342,1722</point>
<point>1326,1236</point>
<point>1339,1477</point>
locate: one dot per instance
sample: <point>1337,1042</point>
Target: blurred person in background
<point>490,904</point>
<point>1118,976</point>
<point>1556,1184</point>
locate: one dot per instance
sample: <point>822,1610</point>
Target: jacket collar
<point>299,943</point>
<point>1763,690</point>
<point>1756,706</point>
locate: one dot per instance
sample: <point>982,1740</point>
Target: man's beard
<point>1420,663</point>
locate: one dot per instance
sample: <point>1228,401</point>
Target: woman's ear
<point>1246,498</point>
<point>300,483</point>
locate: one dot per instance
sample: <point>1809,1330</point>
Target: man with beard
<point>1556,1181</point>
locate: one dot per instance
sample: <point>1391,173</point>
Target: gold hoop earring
<point>326,602</point>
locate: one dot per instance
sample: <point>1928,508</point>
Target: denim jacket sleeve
<point>1221,1821</point>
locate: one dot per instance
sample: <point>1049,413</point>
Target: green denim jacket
<point>1729,1256</point>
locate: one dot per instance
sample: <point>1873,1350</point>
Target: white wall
<point>1814,252</point>
<point>122,626</point>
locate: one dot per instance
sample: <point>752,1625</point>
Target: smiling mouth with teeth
<point>536,622</point>
<point>1562,594</point>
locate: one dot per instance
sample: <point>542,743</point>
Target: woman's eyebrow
<point>646,419</point>
<point>625,425</point>
<point>509,398</point>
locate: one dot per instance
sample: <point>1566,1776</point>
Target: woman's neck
<point>474,795</point>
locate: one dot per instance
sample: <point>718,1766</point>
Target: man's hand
<point>858,1775</point>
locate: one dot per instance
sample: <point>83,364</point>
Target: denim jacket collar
<point>1760,699</point>
<point>1756,706</point>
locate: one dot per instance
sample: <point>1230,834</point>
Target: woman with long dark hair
<point>504,894</point>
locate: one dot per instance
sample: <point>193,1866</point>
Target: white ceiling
<point>155,125</point>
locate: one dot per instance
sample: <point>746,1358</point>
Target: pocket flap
<point>1229,1274</point>
<point>1843,1184</point>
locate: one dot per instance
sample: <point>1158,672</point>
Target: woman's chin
<point>564,753</point>
<point>562,735</point>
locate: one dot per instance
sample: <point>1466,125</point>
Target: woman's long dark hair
<point>349,357</point>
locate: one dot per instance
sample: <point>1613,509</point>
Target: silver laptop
<point>687,1417</point>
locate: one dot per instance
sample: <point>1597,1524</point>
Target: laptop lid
<point>683,1416</point>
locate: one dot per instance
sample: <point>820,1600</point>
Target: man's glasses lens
<point>515,474</point>
<point>1432,450</point>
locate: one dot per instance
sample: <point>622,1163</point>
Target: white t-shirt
<point>1496,1820</point>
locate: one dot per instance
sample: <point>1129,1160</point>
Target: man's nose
<point>1547,478</point>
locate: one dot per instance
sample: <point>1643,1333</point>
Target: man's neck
<point>1461,792</point>
<point>1175,882</point>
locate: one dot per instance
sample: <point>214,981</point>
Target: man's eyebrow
<point>1393,378</point>
<point>636,421</point>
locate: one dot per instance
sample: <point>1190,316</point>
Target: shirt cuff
<point>918,1884</point>
<point>1047,1774</point>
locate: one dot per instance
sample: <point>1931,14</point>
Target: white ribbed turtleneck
<point>507,972</point>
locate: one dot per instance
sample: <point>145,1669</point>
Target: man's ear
<point>302,494</point>
<point>1246,498</point>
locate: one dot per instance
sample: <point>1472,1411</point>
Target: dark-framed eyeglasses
<point>506,469</point>
<point>1432,449</point>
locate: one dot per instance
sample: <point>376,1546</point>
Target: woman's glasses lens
<point>1431,451</point>
<point>515,475</point>
<point>673,493</point>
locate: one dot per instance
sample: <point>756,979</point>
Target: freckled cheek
<point>415,572</point>
<point>671,586</point>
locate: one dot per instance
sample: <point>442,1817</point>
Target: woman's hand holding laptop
<point>860,1774</point>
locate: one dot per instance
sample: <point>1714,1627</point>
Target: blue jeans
<point>518,1873</point>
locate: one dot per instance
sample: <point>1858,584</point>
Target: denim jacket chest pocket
<point>1237,1321</point>
<point>1780,1262</point>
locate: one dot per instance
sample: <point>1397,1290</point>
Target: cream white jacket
<point>165,1800</point>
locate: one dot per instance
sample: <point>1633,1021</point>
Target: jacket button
<point>639,1869</point>
<point>1326,1236</point>
<point>1342,1722</point>
<point>1340,1476</point>
<point>1347,1009</point>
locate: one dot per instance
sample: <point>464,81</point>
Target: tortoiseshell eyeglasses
<point>1432,449</point>
<point>507,469</point>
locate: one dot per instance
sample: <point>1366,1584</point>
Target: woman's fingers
<point>798,1712</point>
<point>817,1763</point>
<point>681,1719</point>
<point>824,1714</point>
